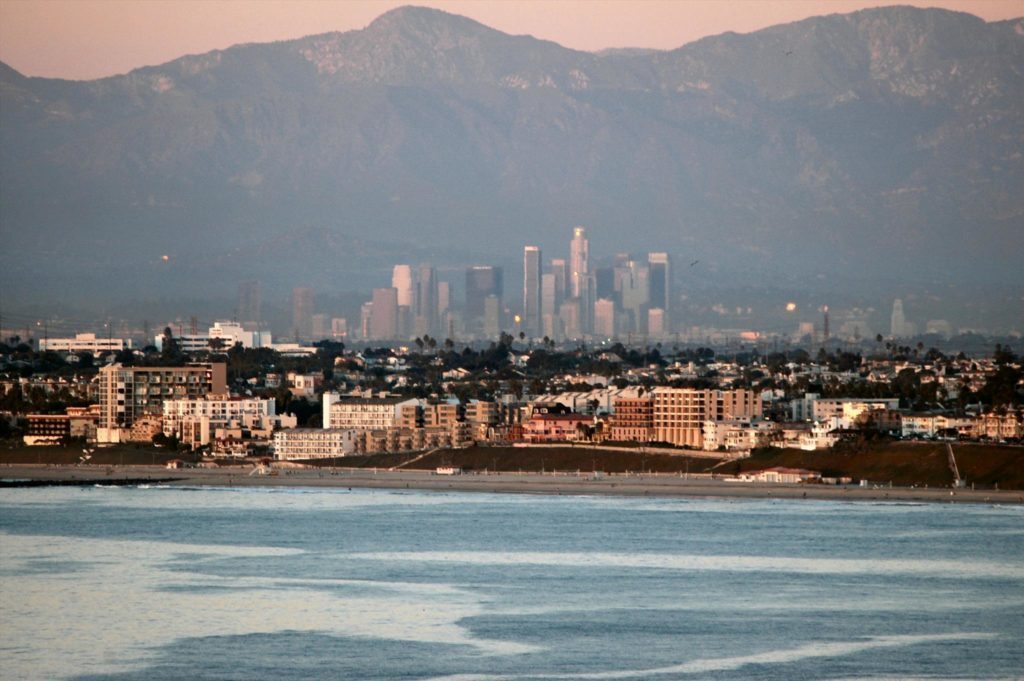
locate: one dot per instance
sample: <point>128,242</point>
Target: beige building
<point>197,421</point>
<point>126,394</point>
<point>364,413</point>
<point>314,443</point>
<point>633,420</point>
<point>680,413</point>
<point>85,342</point>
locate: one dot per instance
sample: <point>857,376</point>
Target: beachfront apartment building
<point>633,419</point>
<point>314,443</point>
<point>364,413</point>
<point>197,421</point>
<point>680,413</point>
<point>127,394</point>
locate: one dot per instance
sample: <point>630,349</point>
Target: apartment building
<point>126,394</point>
<point>680,413</point>
<point>196,421</point>
<point>314,443</point>
<point>364,413</point>
<point>633,419</point>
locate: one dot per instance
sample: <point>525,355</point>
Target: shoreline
<point>502,483</point>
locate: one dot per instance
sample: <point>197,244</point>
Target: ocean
<point>273,583</point>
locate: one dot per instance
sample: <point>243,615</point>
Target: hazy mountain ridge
<point>856,143</point>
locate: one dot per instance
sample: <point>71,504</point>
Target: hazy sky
<point>83,39</point>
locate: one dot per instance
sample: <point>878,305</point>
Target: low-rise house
<point>556,427</point>
<point>781,474</point>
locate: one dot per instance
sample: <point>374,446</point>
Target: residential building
<point>633,420</point>
<point>680,413</point>
<point>314,443</point>
<point>556,427</point>
<point>360,413</point>
<point>127,394</point>
<point>196,421</point>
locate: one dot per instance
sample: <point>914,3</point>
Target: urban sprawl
<point>585,356</point>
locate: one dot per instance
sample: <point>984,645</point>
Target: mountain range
<point>882,143</point>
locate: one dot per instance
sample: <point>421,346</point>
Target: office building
<point>320,327</point>
<point>660,285</point>
<point>85,342</point>
<point>560,270</point>
<point>579,263</point>
<point>493,318</point>
<point>604,318</point>
<point>302,313</point>
<point>402,281</point>
<point>481,281</point>
<point>250,302</point>
<point>427,309</point>
<point>384,314</point>
<point>532,290</point>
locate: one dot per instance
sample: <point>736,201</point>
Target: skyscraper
<point>604,318</point>
<point>401,281</point>
<point>660,282</point>
<point>898,322</point>
<point>579,262</point>
<point>427,302</point>
<point>481,281</point>
<point>560,271</point>
<point>384,314</point>
<point>302,312</point>
<point>531,290</point>
<point>250,302</point>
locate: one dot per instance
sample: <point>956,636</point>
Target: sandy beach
<point>584,483</point>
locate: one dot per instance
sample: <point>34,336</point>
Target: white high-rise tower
<point>579,263</point>
<point>898,325</point>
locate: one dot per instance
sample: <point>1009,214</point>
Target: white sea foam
<point>112,609</point>
<point>727,563</point>
<point>771,657</point>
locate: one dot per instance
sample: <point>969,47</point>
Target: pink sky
<point>83,39</point>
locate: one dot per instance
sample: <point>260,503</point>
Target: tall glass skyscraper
<point>531,290</point>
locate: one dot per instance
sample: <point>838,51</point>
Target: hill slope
<point>879,141</point>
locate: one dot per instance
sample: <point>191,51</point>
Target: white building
<point>84,342</point>
<point>357,413</point>
<point>232,333</point>
<point>843,412</point>
<point>314,443</point>
<point>196,421</point>
<point>737,434</point>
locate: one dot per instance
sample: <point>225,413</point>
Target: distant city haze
<point>86,39</point>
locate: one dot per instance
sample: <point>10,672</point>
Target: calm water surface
<point>158,583</point>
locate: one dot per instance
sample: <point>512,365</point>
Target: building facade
<point>680,413</point>
<point>129,393</point>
